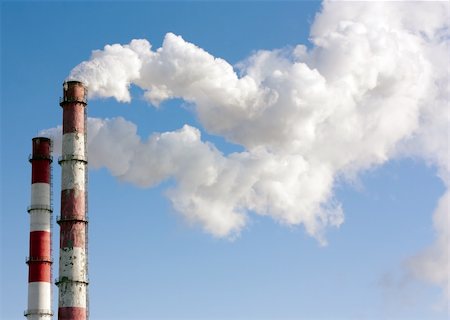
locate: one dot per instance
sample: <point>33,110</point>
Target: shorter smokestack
<point>40,257</point>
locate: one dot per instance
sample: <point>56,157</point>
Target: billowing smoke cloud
<point>374,86</point>
<point>213,189</point>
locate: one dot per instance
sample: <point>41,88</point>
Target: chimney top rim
<point>74,82</point>
<point>41,138</point>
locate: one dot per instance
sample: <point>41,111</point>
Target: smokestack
<point>73,258</point>
<point>40,210</point>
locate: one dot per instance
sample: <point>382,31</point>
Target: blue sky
<point>145,260</point>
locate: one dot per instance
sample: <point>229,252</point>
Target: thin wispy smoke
<point>374,86</point>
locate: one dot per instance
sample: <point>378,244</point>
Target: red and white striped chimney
<point>40,261</point>
<point>73,258</point>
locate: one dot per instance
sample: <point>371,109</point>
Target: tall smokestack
<point>73,257</point>
<point>40,261</point>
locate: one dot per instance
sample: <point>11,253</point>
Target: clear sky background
<point>145,260</point>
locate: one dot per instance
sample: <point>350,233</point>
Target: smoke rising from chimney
<point>373,87</point>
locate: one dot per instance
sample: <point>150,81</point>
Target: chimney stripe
<point>39,244</point>
<point>73,143</point>
<point>40,196</point>
<point>37,296</point>
<point>40,172</point>
<point>73,120</point>
<point>39,271</point>
<point>73,203</point>
<point>73,175</point>
<point>73,234</point>
<point>72,313</point>
<point>40,220</point>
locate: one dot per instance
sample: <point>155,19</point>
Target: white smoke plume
<point>431,264</point>
<point>374,86</point>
